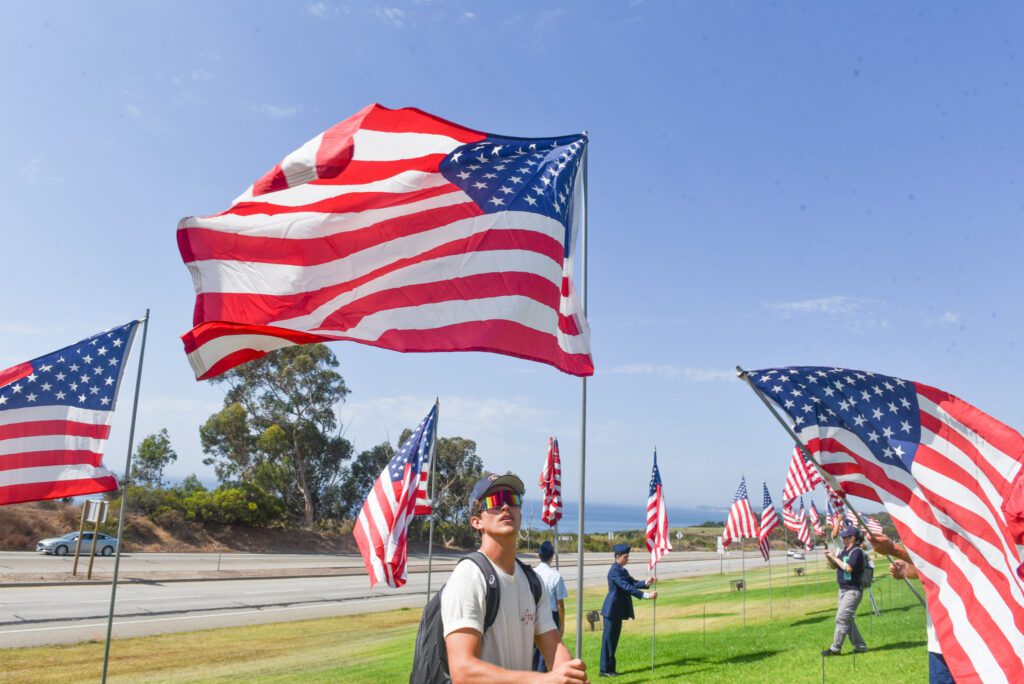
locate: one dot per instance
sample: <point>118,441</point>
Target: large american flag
<point>741,523</point>
<point>944,471</point>
<point>769,521</point>
<point>398,494</point>
<point>551,484</point>
<point>658,542</point>
<point>55,414</point>
<point>800,479</point>
<point>400,230</point>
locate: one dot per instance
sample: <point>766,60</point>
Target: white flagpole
<point>769,580</point>
<point>654,614</point>
<point>743,571</point>
<point>825,475</point>
<point>433,491</point>
<point>583,435</point>
<point>124,498</point>
<point>785,532</point>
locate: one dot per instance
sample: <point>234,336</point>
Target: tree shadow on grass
<point>750,657</point>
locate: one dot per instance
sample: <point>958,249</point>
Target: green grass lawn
<point>700,638</point>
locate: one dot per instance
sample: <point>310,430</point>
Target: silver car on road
<point>61,546</point>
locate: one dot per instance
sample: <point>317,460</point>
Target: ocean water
<point>606,517</point>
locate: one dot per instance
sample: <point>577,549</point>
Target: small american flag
<point>741,523</point>
<point>658,543</point>
<point>812,511</point>
<point>803,532</point>
<point>55,414</point>
<point>400,230</point>
<point>946,472</point>
<point>790,518</point>
<point>801,477</point>
<point>551,485</point>
<point>835,506</point>
<point>769,521</point>
<point>398,494</point>
<point>874,527</point>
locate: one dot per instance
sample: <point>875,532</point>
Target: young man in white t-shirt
<point>503,653</point>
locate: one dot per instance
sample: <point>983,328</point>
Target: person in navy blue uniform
<point>618,606</point>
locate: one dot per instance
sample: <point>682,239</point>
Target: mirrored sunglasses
<point>499,499</point>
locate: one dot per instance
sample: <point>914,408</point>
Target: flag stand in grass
<point>948,474</point>
<point>551,486</point>
<point>740,524</point>
<point>399,494</point>
<point>769,521</point>
<point>433,501</point>
<point>55,416</point>
<point>124,495</point>
<point>656,536</point>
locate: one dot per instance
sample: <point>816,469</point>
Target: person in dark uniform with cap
<point>618,606</point>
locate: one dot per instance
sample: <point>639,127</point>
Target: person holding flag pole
<point>658,542</point>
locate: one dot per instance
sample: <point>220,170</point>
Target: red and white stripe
<point>358,236</point>
<point>950,513</point>
<point>741,523</point>
<point>383,524</point>
<point>790,518</point>
<point>800,479</point>
<point>803,532</point>
<point>53,452</point>
<point>815,520</point>
<point>551,485</point>
<point>658,541</point>
<point>769,521</point>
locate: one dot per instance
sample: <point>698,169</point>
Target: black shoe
<point>861,650</point>
<point>829,652</point>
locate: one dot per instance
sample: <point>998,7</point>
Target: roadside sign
<point>718,544</point>
<point>679,535</point>
<point>96,510</point>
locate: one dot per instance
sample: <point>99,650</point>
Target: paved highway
<point>48,613</point>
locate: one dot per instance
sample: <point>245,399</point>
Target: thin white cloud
<point>135,113</point>
<point>853,313</point>
<point>317,9</point>
<point>274,111</point>
<point>200,75</point>
<point>468,16</point>
<point>669,372</point>
<point>390,15</point>
<point>949,317</point>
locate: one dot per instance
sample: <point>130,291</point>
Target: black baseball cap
<point>492,481</point>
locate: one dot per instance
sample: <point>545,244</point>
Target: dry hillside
<point>22,525</point>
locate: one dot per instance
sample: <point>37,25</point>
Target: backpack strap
<point>531,577</point>
<point>493,598</point>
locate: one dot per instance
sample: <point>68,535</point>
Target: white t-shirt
<point>553,582</point>
<point>509,641</point>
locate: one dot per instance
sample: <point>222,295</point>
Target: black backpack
<point>430,661</point>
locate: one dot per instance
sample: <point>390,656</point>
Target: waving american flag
<point>769,521</point>
<point>55,415</point>
<point>658,542</point>
<point>948,475</point>
<point>812,511</point>
<point>398,494</point>
<point>551,485</point>
<point>741,523</point>
<point>800,479</point>
<point>400,230</point>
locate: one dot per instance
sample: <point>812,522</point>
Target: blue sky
<point>770,184</point>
